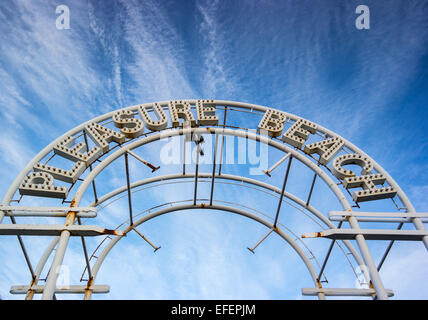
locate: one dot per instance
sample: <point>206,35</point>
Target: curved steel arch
<point>247,180</point>
<point>254,217</point>
<point>298,154</point>
<point>12,189</point>
<point>377,283</point>
<point>92,175</point>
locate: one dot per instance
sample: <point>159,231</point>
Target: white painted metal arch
<point>296,153</point>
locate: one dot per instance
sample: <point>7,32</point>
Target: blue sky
<point>303,57</point>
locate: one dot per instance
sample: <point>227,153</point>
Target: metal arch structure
<point>118,134</point>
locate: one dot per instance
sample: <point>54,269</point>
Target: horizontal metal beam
<point>17,211</point>
<point>374,219</point>
<point>343,292</point>
<point>54,230</point>
<point>64,289</point>
<point>369,234</point>
<point>378,216</point>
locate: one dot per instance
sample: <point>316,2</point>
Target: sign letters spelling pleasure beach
<point>351,175</point>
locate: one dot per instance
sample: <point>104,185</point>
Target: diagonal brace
<point>147,240</point>
<point>261,240</point>
<point>143,161</point>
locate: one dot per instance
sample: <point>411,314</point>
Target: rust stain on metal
<point>316,235</point>
<point>71,215</point>
<point>30,291</point>
<point>90,283</point>
<point>88,289</point>
<point>203,205</point>
<point>73,203</point>
<point>112,232</point>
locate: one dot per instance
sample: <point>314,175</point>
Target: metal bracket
<point>261,240</point>
<point>268,172</point>
<point>143,161</point>
<point>147,240</point>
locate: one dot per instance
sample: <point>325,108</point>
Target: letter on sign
<point>70,151</point>
<point>299,132</point>
<point>205,112</point>
<point>129,126</point>
<point>60,174</point>
<point>180,109</point>
<point>327,148</point>
<point>102,136</point>
<point>370,191</point>
<point>158,125</point>
<point>357,159</point>
<point>272,122</point>
<point>40,184</point>
<point>367,181</point>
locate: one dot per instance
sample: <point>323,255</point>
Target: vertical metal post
<point>196,174</point>
<point>184,155</point>
<point>128,184</point>
<point>40,266</point>
<point>213,173</point>
<point>50,285</point>
<point>90,167</point>
<point>222,142</point>
<point>420,226</point>
<point>282,192</point>
<point>374,274</point>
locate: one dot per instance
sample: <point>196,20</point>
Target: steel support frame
<point>341,197</point>
<point>226,177</point>
<point>50,285</point>
<point>71,217</point>
<point>282,191</point>
<point>328,255</point>
<point>213,172</point>
<point>401,195</point>
<point>241,179</point>
<point>178,208</point>
<point>375,279</point>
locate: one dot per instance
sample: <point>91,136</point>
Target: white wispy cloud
<point>154,65</point>
<point>404,271</point>
<point>218,81</point>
